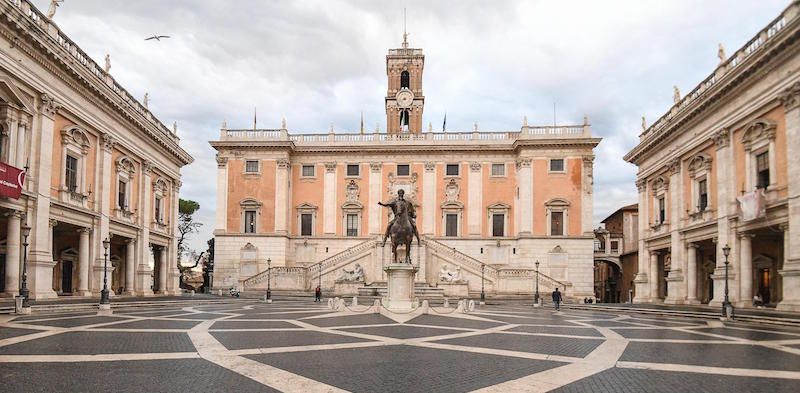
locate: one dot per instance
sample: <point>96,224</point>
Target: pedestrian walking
<point>318,294</point>
<point>557,299</point>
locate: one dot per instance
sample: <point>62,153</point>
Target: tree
<point>186,224</point>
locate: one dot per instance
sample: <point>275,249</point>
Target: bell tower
<point>404,98</point>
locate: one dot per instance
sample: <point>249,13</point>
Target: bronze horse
<point>401,230</point>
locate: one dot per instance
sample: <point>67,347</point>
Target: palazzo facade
<point>720,170</point>
<point>306,204</point>
<point>98,166</point>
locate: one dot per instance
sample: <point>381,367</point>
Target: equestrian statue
<point>402,228</point>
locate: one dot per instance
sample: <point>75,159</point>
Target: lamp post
<point>483,294</point>
<point>268,298</point>
<point>23,291</point>
<point>320,281</point>
<point>536,294</point>
<point>104,299</point>
<point>727,307</point>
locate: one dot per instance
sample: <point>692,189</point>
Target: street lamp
<point>23,291</point>
<point>727,307</point>
<point>104,299</point>
<point>320,281</point>
<point>536,295</point>
<point>269,280</point>
<point>483,294</point>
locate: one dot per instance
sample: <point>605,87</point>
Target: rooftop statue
<point>402,228</point>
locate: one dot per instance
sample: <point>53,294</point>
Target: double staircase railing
<point>465,260</point>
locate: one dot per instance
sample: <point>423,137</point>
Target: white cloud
<point>322,62</point>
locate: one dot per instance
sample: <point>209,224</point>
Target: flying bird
<point>156,37</point>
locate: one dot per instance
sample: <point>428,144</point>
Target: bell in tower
<point>404,98</point>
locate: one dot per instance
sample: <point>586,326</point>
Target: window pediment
<point>557,202</point>
<point>352,205</point>
<point>452,205</point>
<point>307,207</point>
<point>124,164</point>
<point>761,129</point>
<point>76,136</point>
<point>249,202</point>
<point>10,94</point>
<point>700,162</point>
<point>498,207</point>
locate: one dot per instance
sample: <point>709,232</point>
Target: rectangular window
<point>251,166</point>
<point>308,171</point>
<point>451,225</point>
<point>498,224</point>
<point>403,170</point>
<point>353,170</point>
<point>702,195</point>
<point>662,210</point>
<point>249,221</point>
<point>305,224</point>
<point>157,209</point>
<point>452,170</point>
<point>556,223</point>
<point>498,169</point>
<point>557,165</point>
<point>762,170</point>
<point>614,246</point>
<point>122,202</point>
<point>352,225</point>
<point>72,174</point>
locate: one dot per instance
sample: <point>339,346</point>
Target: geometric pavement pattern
<point>296,345</point>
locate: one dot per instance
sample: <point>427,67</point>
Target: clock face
<point>404,98</point>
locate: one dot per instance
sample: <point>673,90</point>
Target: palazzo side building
<point>721,171</point>
<point>306,204</point>
<point>99,165</point>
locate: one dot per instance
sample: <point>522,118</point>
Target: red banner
<point>11,180</point>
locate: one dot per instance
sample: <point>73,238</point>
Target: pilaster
<point>282,196</point>
<point>587,203</point>
<point>329,200</point>
<point>429,198</point>
<point>525,179</point>
<point>13,252</point>
<point>475,200</point>
<point>375,187</point>
<point>221,217</point>
<point>641,281</point>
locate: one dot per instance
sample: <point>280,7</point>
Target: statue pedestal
<point>455,289</point>
<point>347,288</point>
<point>400,296</point>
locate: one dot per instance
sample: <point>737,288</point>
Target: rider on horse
<point>395,206</point>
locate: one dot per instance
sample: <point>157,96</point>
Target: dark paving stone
<point>662,334</point>
<point>664,322</point>
<point>537,344</point>
<point>715,355</point>
<point>200,316</point>
<point>92,343</point>
<point>524,320</point>
<point>179,375</point>
<point>402,331</point>
<point>590,315</point>
<point>52,315</point>
<point>247,340</point>
<point>634,381</point>
<point>153,313</point>
<point>775,328</point>
<point>280,315</point>
<point>612,324</point>
<point>15,332</point>
<point>253,325</point>
<point>75,322</point>
<point>154,324</point>
<point>588,332</point>
<point>405,368</point>
<point>435,320</point>
<point>354,320</point>
<point>748,334</point>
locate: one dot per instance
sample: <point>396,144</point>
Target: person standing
<point>557,299</point>
<point>318,294</point>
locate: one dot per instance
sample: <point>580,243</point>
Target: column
<point>40,257</point>
<point>587,203</point>
<point>282,196</point>
<point>162,268</point>
<point>791,234</point>
<point>12,150</point>
<point>475,216</point>
<point>329,200</point>
<point>143,269</point>
<point>675,281</point>
<point>83,262</point>
<point>525,181</point>
<point>725,197</point>
<point>13,252</point>
<point>654,295</point>
<point>745,270</point>
<point>170,253</point>
<point>642,294</point>
<point>691,274</point>
<point>221,221</point>
<point>130,266</point>
<point>21,133</point>
<point>429,199</point>
<point>375,187</point>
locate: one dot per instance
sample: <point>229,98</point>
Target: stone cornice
<point>37,39</point>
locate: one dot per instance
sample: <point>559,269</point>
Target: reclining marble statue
<point>402,228</point>
<point>355,275</point>
<point>446,275</point>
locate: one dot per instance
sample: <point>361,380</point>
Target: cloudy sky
<point>490,62</point>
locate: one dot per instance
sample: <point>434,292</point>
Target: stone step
<point>419,291</point>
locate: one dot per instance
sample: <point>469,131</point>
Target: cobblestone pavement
<point>296,345</point>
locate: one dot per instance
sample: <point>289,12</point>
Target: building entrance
<point>66,276</point>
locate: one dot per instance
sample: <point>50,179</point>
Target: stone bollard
<point>330,304</point>
<point>446,302</point>
<point>460,306</point>
<point>219,292</point>
<point>471,306</point>
<point>191,292</point>
<point>355,301</point>
<point>377,306</point>
<point>425,307</point>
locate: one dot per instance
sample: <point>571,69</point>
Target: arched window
<point>404,120</point>
<point>405,80</point>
